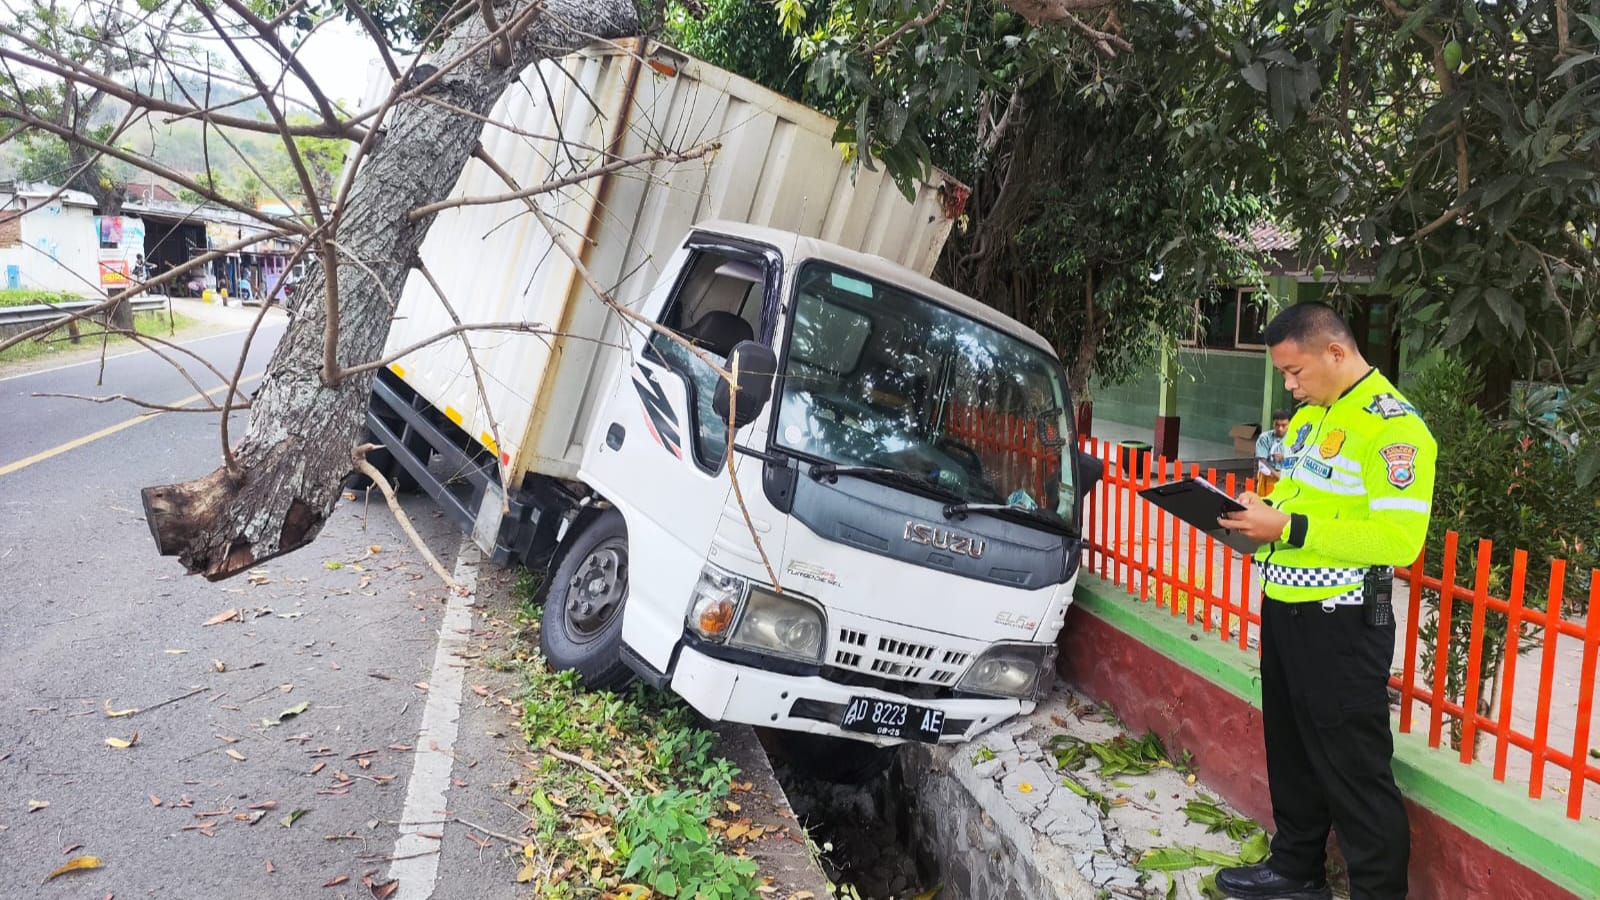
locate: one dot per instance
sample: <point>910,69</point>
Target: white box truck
<point>905,453</point>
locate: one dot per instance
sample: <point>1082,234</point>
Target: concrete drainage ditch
<point>996,820</point>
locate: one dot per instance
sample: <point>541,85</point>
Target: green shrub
<point>30,297</point>
<point>1514,482</point>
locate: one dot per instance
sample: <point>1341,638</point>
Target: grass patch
<point>665,835</point>
<point>31,297</point>
<point>59,344</point>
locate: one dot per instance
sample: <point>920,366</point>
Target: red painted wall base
<point>1151,692</point>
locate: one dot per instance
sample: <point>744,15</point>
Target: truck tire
<point>581,628</point>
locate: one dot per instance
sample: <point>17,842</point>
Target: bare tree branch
<point>134,291</point>
<point>548,186</point>
<point>78,74</point>
<point>269,36</point>
<point>160,407</point>
<point>477,377</point>
<point>359,457</point>
<point>151,166</point>
<point>1039,12</point>
<point>359,10</point>
<point>538,328</point>
<point>265,94</point>
<point>501,54</point>
<point>889,39</point>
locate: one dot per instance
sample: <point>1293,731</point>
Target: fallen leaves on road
<point>76,864</point>
<point>293,817</point>
<point>118,713</point>
<point>219,665</point>
<point>154,800</point>
<point>226,615</point>
<point>289,713</point>
<point>332,565</point>
<point>335,882</point>
<point>235,754</point>
<point>117,743</point>
<point>270,867</point>
<point>36,805</point>
<point>480,690</point>
<point>175,652</point>
<point>380,891</point>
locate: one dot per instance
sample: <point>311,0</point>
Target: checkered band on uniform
<point>1291,576</point>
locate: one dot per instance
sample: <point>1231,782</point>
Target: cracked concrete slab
<point>999,814</point>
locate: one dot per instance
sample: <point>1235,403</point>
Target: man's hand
<point>1257,521</point>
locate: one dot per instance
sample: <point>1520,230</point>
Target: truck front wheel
<point>581,628</point>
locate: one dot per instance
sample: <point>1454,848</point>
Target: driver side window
<point>718,304</point>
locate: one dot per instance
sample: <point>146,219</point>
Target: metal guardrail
<point>49,312</point>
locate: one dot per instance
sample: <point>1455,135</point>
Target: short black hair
<point>1283,414</point>
<point>1305,321</point>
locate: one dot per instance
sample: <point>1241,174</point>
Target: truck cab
<point>884,543</point>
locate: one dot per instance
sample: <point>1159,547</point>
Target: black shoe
<point>1259,882</point>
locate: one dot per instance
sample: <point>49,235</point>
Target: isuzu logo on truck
<point>945,539</point>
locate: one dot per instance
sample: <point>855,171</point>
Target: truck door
<point>659,452</point>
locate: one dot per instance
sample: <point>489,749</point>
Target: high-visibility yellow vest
<point>1357,484</point>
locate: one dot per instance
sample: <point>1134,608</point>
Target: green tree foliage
<point>91,37</point>
<point>1451,147</point>
<point>1082,221</point>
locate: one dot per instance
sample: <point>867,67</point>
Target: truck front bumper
<point>730,692</point>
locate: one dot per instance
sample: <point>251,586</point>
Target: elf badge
<point>1401,459</point>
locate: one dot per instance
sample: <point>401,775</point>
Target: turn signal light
<point>715,618</point>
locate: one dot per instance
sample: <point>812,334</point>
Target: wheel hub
<point>597,591</point>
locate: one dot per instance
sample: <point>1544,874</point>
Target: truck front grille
<point>890,657</point>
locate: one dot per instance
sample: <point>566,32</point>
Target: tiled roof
<point>1269,238</point>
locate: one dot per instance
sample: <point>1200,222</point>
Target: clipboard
<point>1200,503</point>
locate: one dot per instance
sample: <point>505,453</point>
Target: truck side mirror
<point>1090,470</point>
<point>757,366</point>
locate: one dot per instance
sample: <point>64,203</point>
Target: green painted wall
<point>1217,389</point>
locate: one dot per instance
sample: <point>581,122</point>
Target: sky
<point>337,56</point>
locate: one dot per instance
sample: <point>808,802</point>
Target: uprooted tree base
<point>289,468</point>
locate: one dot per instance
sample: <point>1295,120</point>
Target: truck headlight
<point>714,603</point>
<point>1011,670</point>
<point>779,625</point>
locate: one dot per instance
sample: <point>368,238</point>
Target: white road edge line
<point>416,859</point>
<point>198,340</point>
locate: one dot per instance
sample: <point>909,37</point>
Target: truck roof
<point>798,247</point>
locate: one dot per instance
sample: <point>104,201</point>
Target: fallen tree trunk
<point>287,472</point>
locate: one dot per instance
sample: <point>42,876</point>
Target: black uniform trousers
<point>1325,712</point>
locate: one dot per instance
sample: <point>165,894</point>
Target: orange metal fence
<point>1524,727</point>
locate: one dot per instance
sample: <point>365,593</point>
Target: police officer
<point>1353,502</point>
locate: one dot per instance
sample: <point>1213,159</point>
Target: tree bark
<point>297,451</point>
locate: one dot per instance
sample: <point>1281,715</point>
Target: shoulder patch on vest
<point>1401,460</point>
<point>1387,406</point>
<point>1300,438</point>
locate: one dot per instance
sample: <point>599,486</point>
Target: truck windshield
<point>877,376</point>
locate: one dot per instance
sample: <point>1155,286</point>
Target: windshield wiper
<point>882,473</point>
<point>1000,510</point>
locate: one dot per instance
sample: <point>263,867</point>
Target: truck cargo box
<point>776,166</point>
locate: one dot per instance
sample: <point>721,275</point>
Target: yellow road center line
<point>75,443</point>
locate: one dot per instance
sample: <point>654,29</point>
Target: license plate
<point>891,718</point>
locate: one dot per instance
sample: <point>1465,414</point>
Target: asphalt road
<point>93,623</point>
